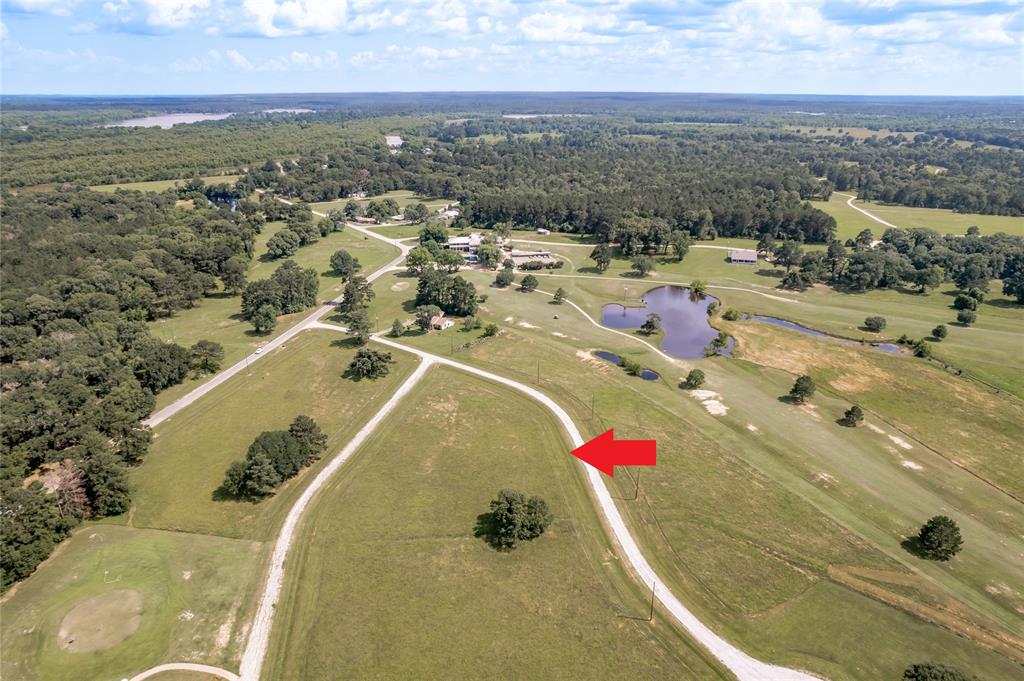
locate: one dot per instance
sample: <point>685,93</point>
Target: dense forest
<point>82,274</point>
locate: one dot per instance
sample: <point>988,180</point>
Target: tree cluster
<point>273,457</point>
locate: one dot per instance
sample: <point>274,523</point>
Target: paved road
<point>849,202</point>
<point>193,395</point>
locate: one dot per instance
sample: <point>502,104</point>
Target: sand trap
<point>400,286</point>
<point>901,442</point>
<point>824,477</point>
<point>913,465</point>
<point>527,325</point>
<point>711,400</point>
<point>101,622</point>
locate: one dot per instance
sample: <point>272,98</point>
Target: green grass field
<point>195,596</point>
<point>851,222</point>
<point>439,602</point>
<point>195,447</point>
<point>161,185</point>
<point>217,318</point>
<point>403,197</point>
<point>808,515</point>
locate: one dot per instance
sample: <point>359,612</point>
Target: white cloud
<point>239,60</point>
<point>304,61</point>
<point>449,16</point>
<point>3,31</point>
<point>372,21</point>
<point>173,13</point>
<point>84,27</point>
<point>276,18</point>
<point>557,27</point>
<point>363,58</point>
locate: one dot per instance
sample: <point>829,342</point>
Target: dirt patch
<point>400,286</point>
<point>912,465</point>
<point>527,325</point>
<point>101,622</point>
<point>711,400</point>
<point>558,334</point>
<point>901,442</point>
<point>752,428</point>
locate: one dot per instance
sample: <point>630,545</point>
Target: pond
<point>884,347</point>
<point>646,374</point>
<point>684,320</point>
<point>167,120</point>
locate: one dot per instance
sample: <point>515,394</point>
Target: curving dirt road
<point>849,202</point>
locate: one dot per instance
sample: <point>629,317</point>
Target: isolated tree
<point>694,380</point>
<point>939,538</point>
<point>490,330</point>
<point>802,389</point>
<point>874,323</point>
<point>965,302</point>
<point>359,326</point>
<point>643,265</point>
<point>698,288</point>
<point>264,319</point>
<point>559,295</point>
<point>966,317</point>
<point>922,348</point>
<point>940,332</point>
<point>357,294</point>
<point>853,416</point>
<point>529,283</point>
<point>681,242</point>
<point>931,671</point>
<point>504,278</point>
<point>344,264</point>
<point>206,356</point>
<point>424,313</point>
<point>397,328</point>
<point>651,325</point>
<point>516,518</point>
<point>731,314</point>
<point>283,244</point>
<point>712,308</point>
<point>369,364</point>
<point>718,344</point>
<point>602,256</point>
<point>307,433</point>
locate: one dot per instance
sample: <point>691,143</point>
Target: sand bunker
<point>527,325</point>
<point>101,622</point>
<point>711,400</point>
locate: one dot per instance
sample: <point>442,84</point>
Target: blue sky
<point>882,47</point>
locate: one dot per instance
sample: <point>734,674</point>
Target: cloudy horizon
<point>853,47</point>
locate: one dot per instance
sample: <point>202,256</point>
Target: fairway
<point>218,317</point>
<point>403,197</point>
<point>130,599</point>
<point>407,504</point>
<point>196,446</point>
<point>850,222</point>
<point>161,185</point>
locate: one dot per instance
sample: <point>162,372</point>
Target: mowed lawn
<point>175,485</point>
<point>808,516</point>
<point>196,595</point>
<point>161,185</point>
<point>850,222</point>
<point>403,197</point>
<point>389,581</point>
<point>218,318</point>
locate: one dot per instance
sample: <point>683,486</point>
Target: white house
<point>743,256</point>
<point>439,322</point>
<point>465,244</point>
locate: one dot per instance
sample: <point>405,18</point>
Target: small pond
<point>684,319</point>
<point>646,374</point>
<point>884,347</point>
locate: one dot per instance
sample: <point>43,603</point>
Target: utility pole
<point>650,618</point>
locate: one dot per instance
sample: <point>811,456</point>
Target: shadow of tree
<point>486,528</point>
<point>912,545</point>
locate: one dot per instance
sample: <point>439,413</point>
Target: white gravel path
<point>849,202</point>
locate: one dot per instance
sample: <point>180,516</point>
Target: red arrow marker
<point>604,452</point>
